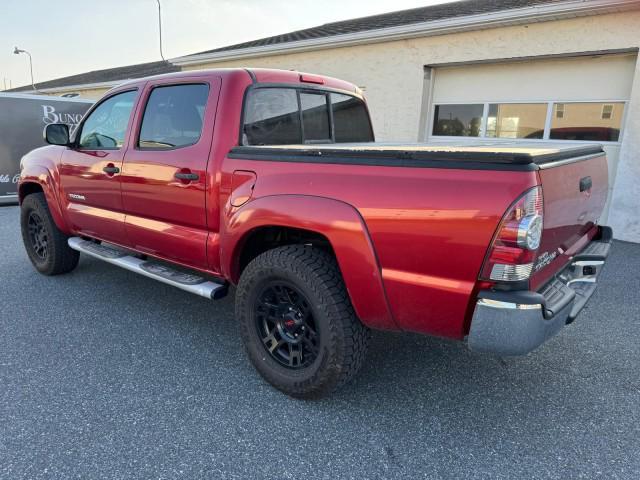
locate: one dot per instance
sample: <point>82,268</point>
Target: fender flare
<point>37,174</point>
<point>339,222</point>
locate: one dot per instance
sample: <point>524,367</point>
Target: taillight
<point>514,247</point>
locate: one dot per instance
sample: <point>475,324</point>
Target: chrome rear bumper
<point>517,322</point>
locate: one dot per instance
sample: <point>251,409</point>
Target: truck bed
<point>491,156</point>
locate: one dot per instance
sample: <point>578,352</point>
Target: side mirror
<point>57,134</point>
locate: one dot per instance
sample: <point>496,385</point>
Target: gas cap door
<point>242,184</point>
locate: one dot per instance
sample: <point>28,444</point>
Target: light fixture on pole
<point>160,28</point>
<point>18,51</point>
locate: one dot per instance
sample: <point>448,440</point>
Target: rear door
<point>164,176</point>
<point>90,171</point>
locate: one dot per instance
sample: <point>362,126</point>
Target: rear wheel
<point>297,323</point>
<point>45,244</point>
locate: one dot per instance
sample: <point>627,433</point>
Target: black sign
<point>23,119</point>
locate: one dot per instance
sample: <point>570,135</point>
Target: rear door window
<point>173,116</point>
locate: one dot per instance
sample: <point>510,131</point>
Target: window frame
<point>547,127</point>
<point>78,131</point>
<point>604,105</point>
<point>136,143</point>
<point>302,88</point>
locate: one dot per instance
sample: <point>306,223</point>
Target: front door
<point>90,171</point>
<point>164,175</point>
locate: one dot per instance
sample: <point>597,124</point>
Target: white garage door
<point>559,100</point>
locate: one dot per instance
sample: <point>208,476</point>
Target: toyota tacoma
<point>270,181</point>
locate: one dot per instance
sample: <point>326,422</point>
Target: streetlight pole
<point>160,28</point>
<point>18,51</point>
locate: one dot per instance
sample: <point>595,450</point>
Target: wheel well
<point>27,189</point>
<point>266,238</point>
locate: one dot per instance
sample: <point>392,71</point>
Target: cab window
<point>281,115</point>
<point>106,126</point>
<point>272,117</point>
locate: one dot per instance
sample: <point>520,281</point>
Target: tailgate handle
<point>585,184</point>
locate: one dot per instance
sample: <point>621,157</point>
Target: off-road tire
<point>343,339</point>
<point>60,258</point>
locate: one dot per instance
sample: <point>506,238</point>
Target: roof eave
<point>79,86</point>
<point>555,11</point>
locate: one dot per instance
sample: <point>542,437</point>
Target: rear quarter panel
<point>430,227</point>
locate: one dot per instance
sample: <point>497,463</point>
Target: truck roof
<point>259,75</point>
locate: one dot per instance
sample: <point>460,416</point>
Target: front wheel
<point>297,323</point>
<point>45,244</point>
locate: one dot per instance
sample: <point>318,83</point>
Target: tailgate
<point>574,193</point>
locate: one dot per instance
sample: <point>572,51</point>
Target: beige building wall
<point>625,205</point>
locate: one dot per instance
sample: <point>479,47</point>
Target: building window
<point>607,111</point>
<point>579,121</point>
<point>458,120</point>
<point>516,120</point>
<point>590,121</point>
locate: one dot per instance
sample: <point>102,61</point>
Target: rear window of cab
<point>284,116</point>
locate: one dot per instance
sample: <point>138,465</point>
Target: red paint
<point>569,215</point>
<point>410,242</point>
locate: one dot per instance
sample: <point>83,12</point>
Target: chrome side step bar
<point>158,271</point>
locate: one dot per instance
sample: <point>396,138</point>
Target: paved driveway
<point>104,374</point>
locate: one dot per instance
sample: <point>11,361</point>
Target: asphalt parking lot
<point>104,374</point>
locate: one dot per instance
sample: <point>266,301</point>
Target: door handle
<point>111,170</point>
<point>188,176</point>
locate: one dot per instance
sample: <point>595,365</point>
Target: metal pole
<point>18,51</point>
<point>160,28</point>
<point>31,70</point>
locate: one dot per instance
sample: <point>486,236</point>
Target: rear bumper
<point>517,322</point>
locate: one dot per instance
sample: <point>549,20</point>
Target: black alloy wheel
<point>38,235</point>
<point>45,244</point>
<point>297,323</point>
<point>286,325</point>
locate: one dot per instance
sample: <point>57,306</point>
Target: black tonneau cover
<point>487,156</point>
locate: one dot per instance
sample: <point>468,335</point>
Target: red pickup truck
<point>271,181</point>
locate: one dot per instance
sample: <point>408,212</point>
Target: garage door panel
<point>607,77</point>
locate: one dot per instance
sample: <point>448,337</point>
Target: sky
<point>66,37</point>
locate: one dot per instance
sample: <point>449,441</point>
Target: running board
<point>161,272</point>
